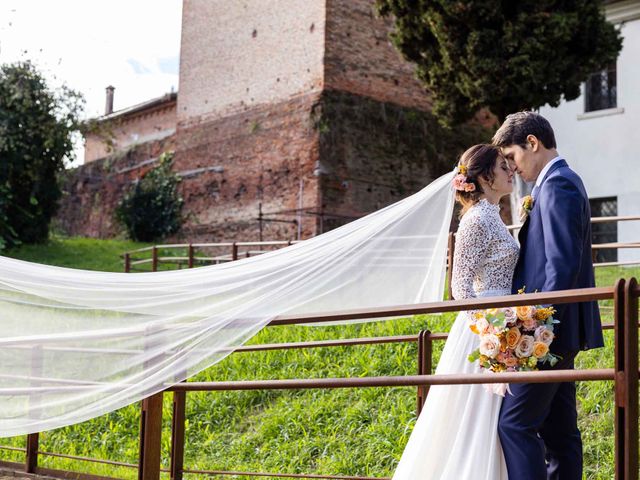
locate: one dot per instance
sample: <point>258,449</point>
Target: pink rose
<point>482,325</point>
<point>524,348</point>
<point>511,361</point>
<point>459,181</point>
<point>544,335</point>
<point>469,187</point>
<point>510,315</point>
<point>490,346</point>
<point>530,324</point>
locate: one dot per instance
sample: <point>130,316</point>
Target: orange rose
<point>503,344</point>
<point>540,349</point>
<point>525,313</point>
<point>513,337</point>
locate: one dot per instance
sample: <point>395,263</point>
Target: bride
<point>456,417</point>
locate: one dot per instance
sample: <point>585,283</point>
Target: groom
<point>538,424</point>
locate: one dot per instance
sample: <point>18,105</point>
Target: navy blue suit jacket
<point>555,254</point>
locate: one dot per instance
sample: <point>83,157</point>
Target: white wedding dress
<point>456,435</point>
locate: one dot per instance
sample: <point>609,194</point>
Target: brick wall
<point>241,54</point>
<point>361,59</point>
<point>259,156</point>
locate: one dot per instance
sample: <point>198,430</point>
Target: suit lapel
<point>522,235</point>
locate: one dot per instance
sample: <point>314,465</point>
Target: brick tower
<point>300,108</point>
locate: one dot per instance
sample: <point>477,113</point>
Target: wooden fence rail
<point>231,251</point>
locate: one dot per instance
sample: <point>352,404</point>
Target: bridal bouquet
<point>513,339</point>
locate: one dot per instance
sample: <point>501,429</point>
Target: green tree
<point>501,54</point>
<point>36,129</point>
<point>151,208</point>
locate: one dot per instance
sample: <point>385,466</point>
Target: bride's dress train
<point>456,435</point>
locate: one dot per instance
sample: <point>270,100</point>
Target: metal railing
<point>624,375</point>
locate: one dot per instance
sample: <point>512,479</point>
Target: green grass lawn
<point>344,432</point>
<point>84,253</point>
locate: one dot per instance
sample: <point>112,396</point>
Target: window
<point>601,90</point>
<point>604,232</point>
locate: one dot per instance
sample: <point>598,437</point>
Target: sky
<point>133,45</point>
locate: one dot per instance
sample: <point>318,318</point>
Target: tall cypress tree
<point>503,55</point>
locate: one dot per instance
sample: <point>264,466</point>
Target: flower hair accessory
<point>460,181</point>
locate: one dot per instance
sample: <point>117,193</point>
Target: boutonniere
<point>525,207</point>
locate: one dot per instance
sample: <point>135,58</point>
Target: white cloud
<point>89,44</point>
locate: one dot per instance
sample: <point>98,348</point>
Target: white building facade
<point>599,136</point>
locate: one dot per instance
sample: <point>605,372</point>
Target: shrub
<point>150,210</point>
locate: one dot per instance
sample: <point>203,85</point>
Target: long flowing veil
<point>76,344</point>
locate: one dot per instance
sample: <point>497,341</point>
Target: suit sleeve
<point>563,222</point>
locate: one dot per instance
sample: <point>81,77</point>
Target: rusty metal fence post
<point>127,263</point>
<point>177,435</point>
<point>150,426</point>
<point>619,411</point>
<point>425,350</point>
<point>630,399</point>
<point>234,251</point>
<point>626,379</point>
<point>150,438</point>
<point>31,461</point>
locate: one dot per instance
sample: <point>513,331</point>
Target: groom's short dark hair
<point>517,126</point>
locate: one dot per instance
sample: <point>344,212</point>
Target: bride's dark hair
<point>478,161</point>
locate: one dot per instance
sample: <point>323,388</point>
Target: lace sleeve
<point>470,251</point>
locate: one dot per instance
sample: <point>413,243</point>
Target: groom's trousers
<point>538,430</point>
